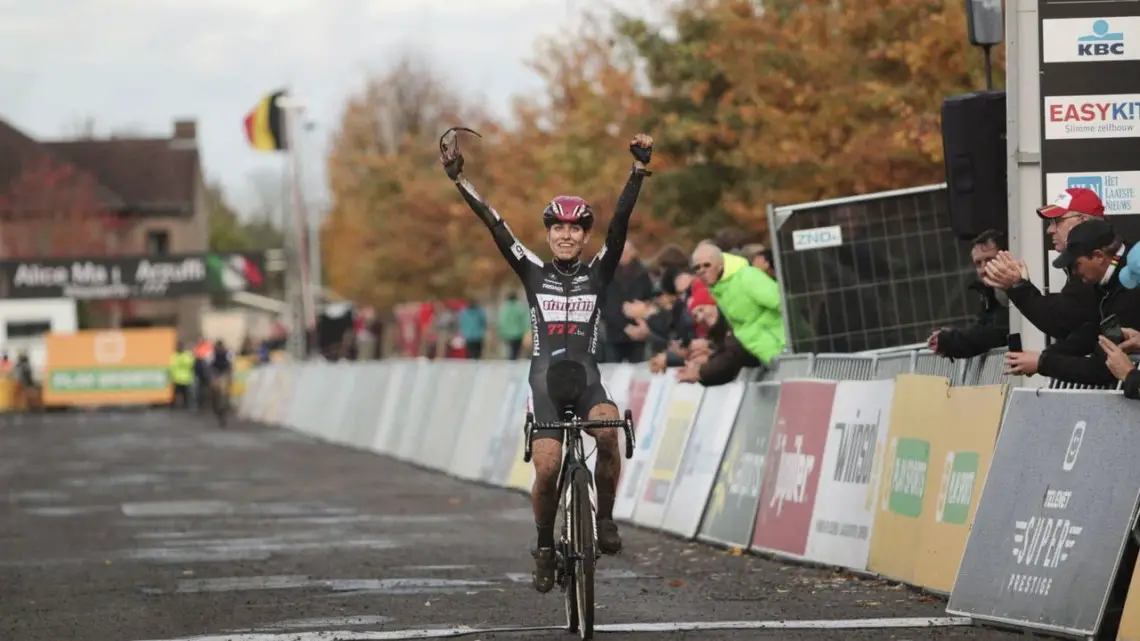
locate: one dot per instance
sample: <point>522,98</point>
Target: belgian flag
<point>265,124</point>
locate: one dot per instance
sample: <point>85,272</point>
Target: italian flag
<point>232,273</point>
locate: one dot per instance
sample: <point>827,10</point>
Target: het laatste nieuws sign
<point>122,278</point>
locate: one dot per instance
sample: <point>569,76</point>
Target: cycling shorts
<point>544,411</point>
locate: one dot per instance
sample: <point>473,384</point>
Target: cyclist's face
<point>566,241</point>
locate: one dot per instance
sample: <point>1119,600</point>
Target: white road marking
<point>825,624</point>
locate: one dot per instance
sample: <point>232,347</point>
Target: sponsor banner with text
<point>649,427</point>
<point>113,367</point>
<point>731,513</point>
<point>791,474</point>
<point>1055,515</point>
<point>122,278</point>
<point>961,447</point>
<point>917,411</point>
<point>844,503</point>
<point>711,429</point>
<point>679,413</point>
<point>1082,117</point>
<point>1090,39</point>
<point>1118,190</point>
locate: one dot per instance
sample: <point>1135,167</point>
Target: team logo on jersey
<point>567,309</point>
<point>551,283</point>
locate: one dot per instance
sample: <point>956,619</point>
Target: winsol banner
<point>845,501</point>
<point>698,469</point>
<point>731,513</point>
<point>648,427</point>
<point>679,413</point>
<point>791,475</point>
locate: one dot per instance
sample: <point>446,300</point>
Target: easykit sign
<point>1055,514</point>
<point>1106,116</point>
<point>123,278</point>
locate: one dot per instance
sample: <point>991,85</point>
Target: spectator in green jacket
<point>748,298</point>
<point>514,321</point>
<point>181,375</point>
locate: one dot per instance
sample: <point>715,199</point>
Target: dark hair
<point>670,256</point>
<point>989,236</point>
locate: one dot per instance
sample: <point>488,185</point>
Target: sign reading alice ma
<point>127,277</point>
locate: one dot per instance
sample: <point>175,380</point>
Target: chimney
<point>185,130</point>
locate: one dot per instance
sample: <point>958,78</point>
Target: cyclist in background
<point>221,369</point>
<point>565,300</point>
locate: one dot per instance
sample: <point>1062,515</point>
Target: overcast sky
<point>141,64</point>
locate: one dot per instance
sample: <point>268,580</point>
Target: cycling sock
<point>545,536</point>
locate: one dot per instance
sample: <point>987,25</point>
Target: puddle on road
<point>117,480</point>
<point>247,549</point>
<point>436,568</point>
<point>38,496</point>
<point>370,586</point>
<point>76,510</point>
<point>177,508</point>
<point>602,574</point>
<point>332,622</point>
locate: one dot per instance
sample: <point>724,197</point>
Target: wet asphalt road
<point>153,527</point>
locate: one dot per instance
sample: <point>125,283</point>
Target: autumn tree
<point>397,229</point>
<point>53,210</point>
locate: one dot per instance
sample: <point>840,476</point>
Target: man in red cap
<point>1057,315</point>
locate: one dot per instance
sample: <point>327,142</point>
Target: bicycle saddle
<point>565,382</point>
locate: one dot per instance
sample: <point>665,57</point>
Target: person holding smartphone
<point>1099,257</point>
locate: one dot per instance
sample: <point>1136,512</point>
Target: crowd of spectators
<point>1092,322</point>
<point>708,313</point>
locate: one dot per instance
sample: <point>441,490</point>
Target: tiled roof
<point>146,174</point>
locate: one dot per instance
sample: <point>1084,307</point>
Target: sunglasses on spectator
<point>701,266</point>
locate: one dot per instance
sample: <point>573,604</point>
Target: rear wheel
<point>583,548</point>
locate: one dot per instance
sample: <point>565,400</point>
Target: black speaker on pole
<point>973,143</point>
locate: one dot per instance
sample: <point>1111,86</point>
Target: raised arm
<point>521,259</point>
<point>607,260</point>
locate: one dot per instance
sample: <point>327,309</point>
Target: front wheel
<point>583,548</point>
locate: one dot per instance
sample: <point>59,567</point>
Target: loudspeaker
<point>973,143</point>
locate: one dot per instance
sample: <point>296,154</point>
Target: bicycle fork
<point>565,553</point>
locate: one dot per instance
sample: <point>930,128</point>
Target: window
<point>28,329</point>
<point>157,241</point>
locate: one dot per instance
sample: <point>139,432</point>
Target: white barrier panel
<point>478,423</point>
<point>366,400</point>
<point>395,407</point>
<point>844,509</point>
<point>501,449</point>
<point>425,391</point>
<point>636,470</point>
<point>699,464</point>
<point>444,415</point>
<point>676,423</point>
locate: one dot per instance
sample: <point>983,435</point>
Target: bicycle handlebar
<point>577,425</point>
<point>626,424</point>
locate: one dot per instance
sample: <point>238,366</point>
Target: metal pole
<point>291,107</point>
<point>989,69</point>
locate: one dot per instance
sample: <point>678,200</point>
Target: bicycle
<point>577,549</point>
<point>220,397</point>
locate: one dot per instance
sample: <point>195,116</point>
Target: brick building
<point>151,188</point>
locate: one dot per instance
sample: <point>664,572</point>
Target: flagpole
<point>292,108</point>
